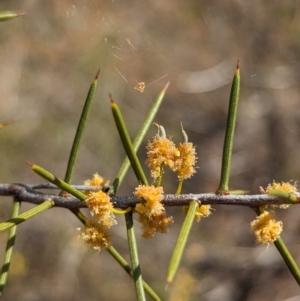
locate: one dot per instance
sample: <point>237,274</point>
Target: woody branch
<point>27,193</point>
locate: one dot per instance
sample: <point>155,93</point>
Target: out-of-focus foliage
<point>48,59</point>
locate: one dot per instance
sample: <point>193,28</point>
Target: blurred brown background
<point>48,60</point>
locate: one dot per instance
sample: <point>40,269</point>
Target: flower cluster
<point>181,160</point>
<point>184,164</point>
<point>266,228</point>
<point>95,234</point>
<point>283,186</point>
<point>152,213</point>
<point>100,206</point>
<point>163,152</point>
<point>152,197</point>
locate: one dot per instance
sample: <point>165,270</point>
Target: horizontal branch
<point>26,193</point>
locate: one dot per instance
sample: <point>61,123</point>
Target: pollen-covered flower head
<point>152,196</point>
<point>96,236</point>
<point>152,213</point>
<point>100,206</point>
<point>283,186</point>
<point>185,162</point>
<point>186,158</point>
<point>97,180</point>
<point>161,151</point>
<point>154,223</point>
<point>266,228</point>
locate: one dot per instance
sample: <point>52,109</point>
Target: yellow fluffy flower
<point>97,180</point>
<point>152,196</point>
<point>154,223</point>
<point>161,151</point>
<point>96,236</point>
<point>266,228</point>
<point>283,186</point>
<point>152,213</point>
<point>203,211</point>
<point>184,163</point>
<point>100,206</point>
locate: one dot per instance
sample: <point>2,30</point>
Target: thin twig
<point>26,194</point>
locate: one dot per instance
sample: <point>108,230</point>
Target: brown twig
<point>26,193</point>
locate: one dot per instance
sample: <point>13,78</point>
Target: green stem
<point>229,136</point>
<point>289,196</point>
<point>80,215</point>
<point>58,182</point>
<point>138,140</point>
<point>113,252</point>
<point>288,258</point>
<point>75,147</point>
<point>181,241</point>
<point>135,265</point>
<point>80,129</point>
<point>116,184</point>
<point>284,252</point>
<point>179,187</point>
<point>127,144</point>
<point>26,215</point>
<point>9,247</point>
<point>159,179</point>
